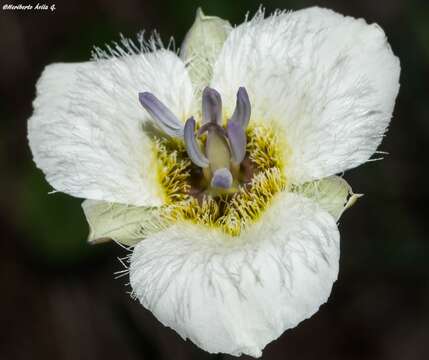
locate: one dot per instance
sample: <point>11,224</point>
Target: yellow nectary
<point>262,176</point>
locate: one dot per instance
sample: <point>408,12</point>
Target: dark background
<point>59,298</point>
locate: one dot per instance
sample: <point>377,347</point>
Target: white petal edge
<point>328,81</point>
<point>235,295</point>
<point>86,132</point>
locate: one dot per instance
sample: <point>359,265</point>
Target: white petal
<point>235,295</point>
<point>329,81</point>
<point>86,132</point>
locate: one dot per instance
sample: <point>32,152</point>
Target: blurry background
<point>59,298</point>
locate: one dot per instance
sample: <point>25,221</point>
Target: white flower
<point>236,242</point>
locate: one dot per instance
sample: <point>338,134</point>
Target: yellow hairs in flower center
<point>232,212</point>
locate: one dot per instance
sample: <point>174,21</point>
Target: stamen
<point>222,178</point>
<point>224,150</point>
<point>212,106</point>
<point>192,148</point>
<point>161,115</point>
<point>237,140</point>
<point>242,110</point>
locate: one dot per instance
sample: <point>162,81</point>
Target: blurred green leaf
<point>54,224</point>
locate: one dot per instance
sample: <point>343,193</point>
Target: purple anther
<point>192,148</point>
<point>222,178</point>
<point>237,140</point>
<point>242,110</point>
<point>161,115</point>
<point>212,106</point>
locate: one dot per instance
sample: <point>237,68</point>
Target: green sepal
<point>333,194</point>
<point>125,224</point>
<point>201,47</point>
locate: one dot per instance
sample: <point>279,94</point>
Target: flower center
<point>224,149</point>
<point>223,177</point>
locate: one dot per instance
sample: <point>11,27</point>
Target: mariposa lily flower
<point>217,165</point>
